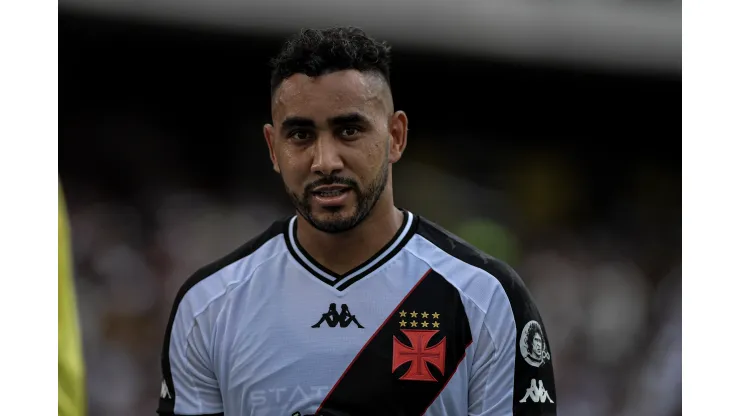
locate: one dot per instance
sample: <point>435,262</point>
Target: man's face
<point>537,344</point>
<point>332,143</point>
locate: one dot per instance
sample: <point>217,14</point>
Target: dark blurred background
<point>567,168</point>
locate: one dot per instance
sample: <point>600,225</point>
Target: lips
<point>330,190</point>
<point>331,195</point>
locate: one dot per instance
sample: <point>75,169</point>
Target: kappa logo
<point>420,353</point>
<point>164,392</point>
<point>538,394</point>
<point>532,344</point>
<point>333,318</point>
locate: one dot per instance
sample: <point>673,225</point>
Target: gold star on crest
<point>435,315</point>
<point>413,324</point>
<point>424,315</point>
<point>403,323</point>
<point>413,314</point>
<point>403,314</point>
<point>435,324</point>
<point>424,324</point>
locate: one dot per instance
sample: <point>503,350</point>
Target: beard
<point>337,222</point>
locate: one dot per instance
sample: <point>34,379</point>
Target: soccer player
<point>70,366</point>
<point>445,329</point>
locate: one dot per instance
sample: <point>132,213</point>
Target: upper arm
<point>512,370</point>
<point>189,384</point>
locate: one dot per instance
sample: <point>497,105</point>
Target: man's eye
<point>299,135</point>
<point>350,132</point>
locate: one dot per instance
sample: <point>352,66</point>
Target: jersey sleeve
<point>189,385</point>
<point>512,371</point>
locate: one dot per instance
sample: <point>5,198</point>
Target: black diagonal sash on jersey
<point>409,360</point>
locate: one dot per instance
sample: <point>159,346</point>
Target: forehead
<point>327,95</point>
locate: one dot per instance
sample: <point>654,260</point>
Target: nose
<point>327,158</point>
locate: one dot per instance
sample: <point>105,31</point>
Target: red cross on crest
<point>419,353</point>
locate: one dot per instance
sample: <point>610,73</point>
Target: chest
<point>291,345</point>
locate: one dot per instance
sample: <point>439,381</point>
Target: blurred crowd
<point>611,300</point>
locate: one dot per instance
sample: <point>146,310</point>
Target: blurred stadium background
<point>545,132</point>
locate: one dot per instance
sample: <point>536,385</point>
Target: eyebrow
<point>343,119</point>
<point>350,118</point>
<point>292,122</point>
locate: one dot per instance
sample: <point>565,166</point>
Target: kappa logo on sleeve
<point>164,392</point>
<point>536,393</point>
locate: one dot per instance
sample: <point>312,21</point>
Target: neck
<point>344,251</point>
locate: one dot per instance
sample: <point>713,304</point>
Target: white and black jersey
<point>428,326</point>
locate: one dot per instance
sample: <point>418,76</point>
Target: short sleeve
<point>512,371</point>
<point>189,385</point>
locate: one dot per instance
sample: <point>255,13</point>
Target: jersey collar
<point>342,281</point>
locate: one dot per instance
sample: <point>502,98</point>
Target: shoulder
<point>212,280</point>
<point>505,317</point>
<point>476,274</point>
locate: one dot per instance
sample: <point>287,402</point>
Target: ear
<point>399,131</point>
<point>269,131</point>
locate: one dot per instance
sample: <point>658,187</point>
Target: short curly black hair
<point>316,52</point>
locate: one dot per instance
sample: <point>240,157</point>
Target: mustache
<point>331,180</point>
